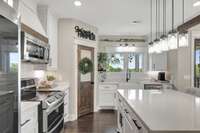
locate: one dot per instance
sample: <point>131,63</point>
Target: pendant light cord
<point>151,7</point>
<point>183,10</point>
<point>172,14</point>
<point>164,17</point>
<point>156,19</point>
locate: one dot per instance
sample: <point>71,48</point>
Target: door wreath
<point>85,66</point>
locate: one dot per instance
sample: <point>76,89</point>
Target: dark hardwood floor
<point>100,122</point>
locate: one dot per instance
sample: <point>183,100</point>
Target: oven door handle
<point>54,108</point>
<point>56,125</point>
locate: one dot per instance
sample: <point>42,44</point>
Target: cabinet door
<point>107,98</point>
<point>129,127</point>
<point>28,127</point>
<point>53,41</point>
<point>107,95</point>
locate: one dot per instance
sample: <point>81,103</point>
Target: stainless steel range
<point>51,109</point>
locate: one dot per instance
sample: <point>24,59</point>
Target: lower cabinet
<point>129,127</point>
<point>127,120</point>
<point>29,120</point>
<point>66,106</point>
<point>107,96</point>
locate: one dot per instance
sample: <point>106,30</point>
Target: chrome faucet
<point>128,75</point>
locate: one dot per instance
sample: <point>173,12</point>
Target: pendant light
<point>183,36</point>
<point>163,38</point>
<point>172,36</point>
<point>157,40</point>
<point>151,50</point>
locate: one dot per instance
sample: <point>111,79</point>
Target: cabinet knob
<point>126,111</point>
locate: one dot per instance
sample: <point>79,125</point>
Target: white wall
<point>67,57</point>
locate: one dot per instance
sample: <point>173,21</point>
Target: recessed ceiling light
<point>77,3</point>
<point>196,4</point>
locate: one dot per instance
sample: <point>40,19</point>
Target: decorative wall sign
<point>85,34</point>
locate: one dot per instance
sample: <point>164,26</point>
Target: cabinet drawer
<point>107,87</point>
<point>120,102</point>
<point>29,127</point>
<point>29,115</point>
<point>107,98</point>
<point>132,117</point>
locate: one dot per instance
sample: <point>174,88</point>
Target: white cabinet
<point>29,117</point>
<point>66,106</point>
<point>52,32</point>
<point>129,127</point>
<point>128,122</point>
<point>158,62</point>
<point>107,96</point>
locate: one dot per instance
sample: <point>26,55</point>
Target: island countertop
<point>164,110</point>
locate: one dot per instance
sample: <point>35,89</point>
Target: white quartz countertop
<point>165,110</point>
<point>28,105</point>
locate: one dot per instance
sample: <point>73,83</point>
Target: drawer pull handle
<point>25,122</point>
<point>135,122</point>
<point>126,111</point>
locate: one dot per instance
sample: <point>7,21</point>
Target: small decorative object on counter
<point>47,83</point>
<point>85,66</point>
<point>50,78</point>
<point>102,62</point>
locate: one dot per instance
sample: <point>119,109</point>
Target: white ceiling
<point>113,17</point>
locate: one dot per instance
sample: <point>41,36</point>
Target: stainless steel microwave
<point>33,49</point>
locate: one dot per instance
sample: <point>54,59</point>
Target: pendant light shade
<point>151,47</point>
<point>183,40</point>
<point>164,44</point>
<point>164,38</point>
<point>173,35</point>
<point>173,41</point>
<point>183,36</point>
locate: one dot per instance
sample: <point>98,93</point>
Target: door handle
<point>92,82</point>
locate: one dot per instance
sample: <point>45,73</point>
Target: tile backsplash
<point>29,70</point>
<point>39,71</point>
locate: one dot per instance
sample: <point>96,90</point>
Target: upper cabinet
<point>52,32</point>
<point>158,62</point>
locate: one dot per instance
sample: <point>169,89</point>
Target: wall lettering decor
<point>85,34</point>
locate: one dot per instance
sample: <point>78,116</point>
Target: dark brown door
<point>85,83</point>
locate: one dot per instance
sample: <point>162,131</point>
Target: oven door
<point>53,121</point>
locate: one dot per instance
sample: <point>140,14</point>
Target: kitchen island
<point>157,111</point>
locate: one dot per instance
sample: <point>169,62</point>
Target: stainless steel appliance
<point>161,76</point>
<point>153,86</point>
<point>33,49</point>
<point>53,113</point>
<point>51,109</point>
<point>9,59</point>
